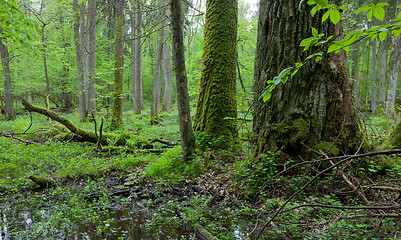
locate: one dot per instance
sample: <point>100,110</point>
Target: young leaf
<point>378,12</point>
<point>314,32</point>
<point>364,8</point>
<point>382,36</point>
<point>322,3</point>
<point>335,16</point>
<point>325,16</point>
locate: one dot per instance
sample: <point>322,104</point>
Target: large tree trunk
<point>167,63</point>
<point>9,98</point>
<point>117,114</point>
<point>184,115</point>
<point>313,109</point>
<point>80,61</point>
<point>91,96</point>
<point>216,109</point>
<point>373,83</point>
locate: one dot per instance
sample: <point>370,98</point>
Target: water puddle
<point>136,222</point>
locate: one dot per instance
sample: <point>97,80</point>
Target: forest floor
<point>219,194</point>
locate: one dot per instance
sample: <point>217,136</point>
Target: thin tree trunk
<point>80,61</point>
<point>138,60</point>
<point>355,72</point>
<point>133,86</point>
<point>383,56</point>
<point>117,113</point>
<point>184,115</point>
<point>91,32</point>
<point>395,67</point>
<point>157,78</point>
<point>9,98</point>
<point>167,64</point>
<point>44,45</point>
<point>373,88</point>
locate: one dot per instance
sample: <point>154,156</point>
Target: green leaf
<point>325,16</point>
<point>382,4</point>
<point>396,32</point>
<point>311,2</point>
<point>370,14</point>
<point>318,58</point>
<point>314,10</point>
<point>333,47</point>
<point>382,36</point>
<point>322,3</point>
<point>335,16</point>
<point>314,32</point>
<point>364,8</point>
<point>378,12</point>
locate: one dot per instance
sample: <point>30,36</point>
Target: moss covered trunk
<point>313,110</point>
<point>216,108</point>
<point>117,117</point>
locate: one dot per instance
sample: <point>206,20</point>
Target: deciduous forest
<point>200,119</point>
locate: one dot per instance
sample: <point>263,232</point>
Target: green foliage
<point>172,167</point>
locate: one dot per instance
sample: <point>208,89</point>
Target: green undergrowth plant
<point>172,166</point>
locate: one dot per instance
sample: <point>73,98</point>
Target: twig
<point>395,207</point>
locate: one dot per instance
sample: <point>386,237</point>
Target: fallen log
<point>86,136</point>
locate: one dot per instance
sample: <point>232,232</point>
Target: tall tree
<point>184,114</point>
<point>138,99</point>
<point>117,114</point>
<point>313,109</point>
<point>216,109</point>
<point>167,62</point>
<point>373,83</point>
<point>9,97</point>
<point>78,37</point>
<point>91,36</point>
<point>395,67</point>
<point>355,73</point>
<point>157,78</point>
<point>383,57</point>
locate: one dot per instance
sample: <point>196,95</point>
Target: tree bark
<point>91,92</point>
<point>138,60</point>
<point>355,72</point>
<point>314,107</point>
<point>168,85</point>
<point>216,109</point>
<point>9,98</point>
<point>373,83</point>
<point>80,60</point>
<point>157,78</point>
<point>383,56</point>
<point>184,114</point>
<point>117,117</point>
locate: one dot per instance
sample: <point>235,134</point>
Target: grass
<point>80,171</point>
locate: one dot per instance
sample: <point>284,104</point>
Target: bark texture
<point>117,114</point>
<point>383,57</point>
<point>78,18</point>
<point>91,91</point>
<point>138,103</point>
<point>216,109</point>
<point>168,85</point>
<point>184,114</point>
<point>313,108</point>
<point>9,97</point>
<point>373,83</point>
<point>355,73</point>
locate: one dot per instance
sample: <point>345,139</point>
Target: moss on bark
<point>216,109</point>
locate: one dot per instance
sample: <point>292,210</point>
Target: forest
<point>200,119</point>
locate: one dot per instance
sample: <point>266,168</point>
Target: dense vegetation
<point>92,143</point>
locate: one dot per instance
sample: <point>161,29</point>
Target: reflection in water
<point>135,223</point>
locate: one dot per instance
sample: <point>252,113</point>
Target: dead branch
<point>12,137</point>
<point>395,207</point>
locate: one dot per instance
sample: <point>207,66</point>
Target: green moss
<point>297,130</point>
<point>327,147</point>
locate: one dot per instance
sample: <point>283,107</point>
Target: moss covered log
<point>87,136</point>
<point>216,109</point>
